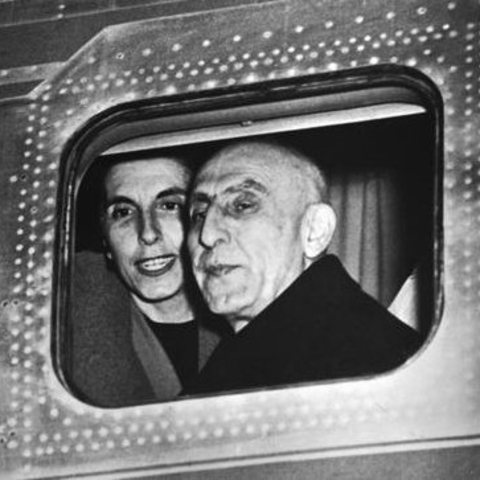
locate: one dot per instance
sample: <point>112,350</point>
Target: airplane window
<point>194,252</point>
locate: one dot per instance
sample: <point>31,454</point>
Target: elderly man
<point>137,336</point>
<point>258,239</point>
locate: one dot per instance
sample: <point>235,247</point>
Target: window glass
<point>181,267</point>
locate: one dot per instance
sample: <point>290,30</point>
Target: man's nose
<point>214,230</point>
<point>149,229</point>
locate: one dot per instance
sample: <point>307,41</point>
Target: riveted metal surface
<point>45,431</point>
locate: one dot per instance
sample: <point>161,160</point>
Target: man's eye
<point>243,205</point>
<point>197,216</point>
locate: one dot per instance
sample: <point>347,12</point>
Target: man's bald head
<point>300,170</point>
<point>259,219</point>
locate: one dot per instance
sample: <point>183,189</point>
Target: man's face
<point>143,225</point>
<point>245,233</point>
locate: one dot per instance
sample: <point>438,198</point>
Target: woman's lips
<point>155,266</point>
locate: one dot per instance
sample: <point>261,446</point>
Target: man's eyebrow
<point>200,197</point>
<point>247,184</point>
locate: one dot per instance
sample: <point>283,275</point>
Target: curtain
<point>374,239</point>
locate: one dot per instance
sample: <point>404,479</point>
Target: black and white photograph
<point>239,239</point>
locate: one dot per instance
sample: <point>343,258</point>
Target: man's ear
<point>318,226</point>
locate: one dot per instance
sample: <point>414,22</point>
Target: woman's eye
<point>171,205</point>
<point>119,212</point>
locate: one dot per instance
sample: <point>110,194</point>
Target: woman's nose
<point>149,230</point>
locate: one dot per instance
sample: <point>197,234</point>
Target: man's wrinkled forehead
<point>237,170</point>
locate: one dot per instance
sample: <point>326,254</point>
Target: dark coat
<point>113,359</point>
<point>322,327</point>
